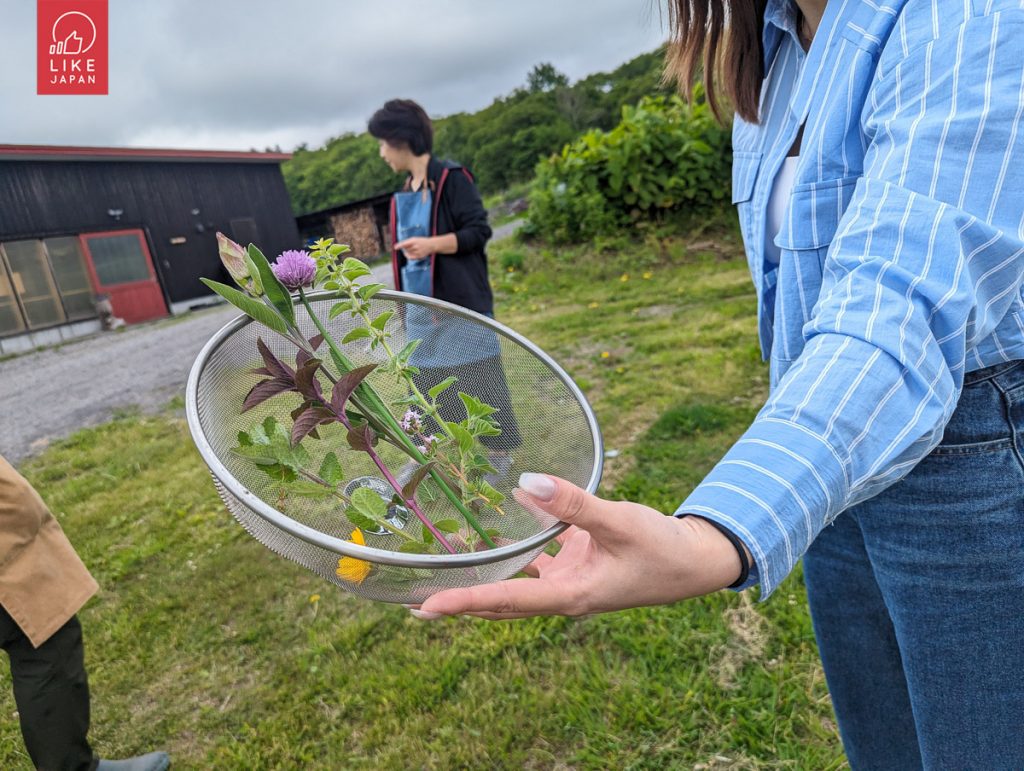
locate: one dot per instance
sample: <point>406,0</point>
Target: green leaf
<point>494,498</point>
<point>249,306</point>
<point>476,408</point>
<point>353,269</point>
<point>244,440</point>
<point>368,503</point>
<point>406,352</point>
<point>369,290</point>
<point>447,526</point>
<point>360,520</point>
<point>276,291</point>
<point>414,547</point>
<point>382,319</point>
<point>446,383</point>
<point>330,470</point>
<point>462,436</point>
<point>426,536</point>
<point>308,489</point>
<point>339,308</point>
<point>356,334</point>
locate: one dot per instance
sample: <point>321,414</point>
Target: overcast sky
<point>235,74</point>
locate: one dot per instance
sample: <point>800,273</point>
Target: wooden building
<point>135,225</point>
<point>363,225</point>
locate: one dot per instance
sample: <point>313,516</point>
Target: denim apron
<point>456,340</point>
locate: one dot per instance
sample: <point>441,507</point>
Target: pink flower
<point>295,269</point>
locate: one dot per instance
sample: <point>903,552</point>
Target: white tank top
<point>777,203</point>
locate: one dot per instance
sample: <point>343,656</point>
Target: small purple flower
<point>294,269</point>
<point>411,422</point>
<point>428,444</point>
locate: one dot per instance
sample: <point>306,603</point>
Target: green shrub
<point>664,156</point>
<point>512,260</point>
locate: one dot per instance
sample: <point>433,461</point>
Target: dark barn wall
<point>45,198</point>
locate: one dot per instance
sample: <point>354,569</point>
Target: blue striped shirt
<point>902,254</point>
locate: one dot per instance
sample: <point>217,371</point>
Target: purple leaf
<point>264,389</point>
<point>309,420</point>
<point>362,438</point>
<point>306,382</point>
<point>343,388</point>
<point>274,365</point>
<point>316,341</point>
<point>262,371</point>
<point>409,490</point>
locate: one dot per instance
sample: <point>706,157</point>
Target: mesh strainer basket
<point>546,425</point>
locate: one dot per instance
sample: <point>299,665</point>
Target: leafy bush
<point>664,156</point>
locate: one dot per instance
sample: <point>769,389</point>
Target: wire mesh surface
<point>546,426</point>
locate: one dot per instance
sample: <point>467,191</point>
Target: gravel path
<point>51,393</point>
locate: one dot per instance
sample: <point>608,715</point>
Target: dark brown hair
<point>403,123</point>
<point>728,55</point>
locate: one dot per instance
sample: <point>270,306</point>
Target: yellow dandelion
<point>648,274</point>
<point>605,354</point>
<point>314,599</point>
<point>351,569</point>
<point>593,305</point>
<point>624,277</point>
<point>620,370</point>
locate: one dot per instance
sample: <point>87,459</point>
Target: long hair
<point>722,40</point>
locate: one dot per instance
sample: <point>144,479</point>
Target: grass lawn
<point>206,644</point>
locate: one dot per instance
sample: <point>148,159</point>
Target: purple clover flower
<point>295,269</point>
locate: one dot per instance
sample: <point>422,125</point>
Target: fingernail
<point>540,486</point>
<point>425,615</point>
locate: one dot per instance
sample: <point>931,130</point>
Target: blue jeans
<point>917,598</point>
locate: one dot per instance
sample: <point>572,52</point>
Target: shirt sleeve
<point>468,213</point>
<point>926,261</point>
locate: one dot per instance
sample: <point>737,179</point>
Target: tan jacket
<point>43,583</point>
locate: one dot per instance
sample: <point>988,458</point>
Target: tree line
<point>501,144</point>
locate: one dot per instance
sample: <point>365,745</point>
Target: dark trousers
<point>52,694</point>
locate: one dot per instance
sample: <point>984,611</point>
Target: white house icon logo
<point>74,33</point>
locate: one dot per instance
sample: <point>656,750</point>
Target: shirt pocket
<point>809,226</point>
<point>745,167</point>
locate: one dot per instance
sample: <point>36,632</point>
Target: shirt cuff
<point>776,488</point>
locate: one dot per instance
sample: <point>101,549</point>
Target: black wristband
<point>737,544</point>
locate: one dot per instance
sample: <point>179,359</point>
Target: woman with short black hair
<point>439,230</point>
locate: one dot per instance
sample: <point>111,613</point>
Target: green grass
<point>205,643</point>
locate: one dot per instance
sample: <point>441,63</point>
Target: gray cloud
<point>234,75</point>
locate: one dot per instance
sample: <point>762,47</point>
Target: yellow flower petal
<point>648,274</point>
<point>605,354</point>
<point>314,598</point>
<point>624,277</point>
<point>351,569</point>
<point>593,305</point>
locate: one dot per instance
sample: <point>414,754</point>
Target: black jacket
<point>459,278</point>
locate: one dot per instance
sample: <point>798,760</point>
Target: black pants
<point>52,694</point>
<point>485,380</point>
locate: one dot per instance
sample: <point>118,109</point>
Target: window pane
<point>72,278</point>
<point>10,314</point>
<point>33,282</point>
<point>118,259</point>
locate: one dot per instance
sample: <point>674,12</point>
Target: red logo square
<point>71,46</point>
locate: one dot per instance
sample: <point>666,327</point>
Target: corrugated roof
<point>67,153</point>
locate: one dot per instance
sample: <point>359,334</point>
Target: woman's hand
<point>419,247</point>
<point>615,555</point>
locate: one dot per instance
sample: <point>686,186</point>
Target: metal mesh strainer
<point>546,425</point>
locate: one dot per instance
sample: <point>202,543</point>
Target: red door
<point>120,266</point>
